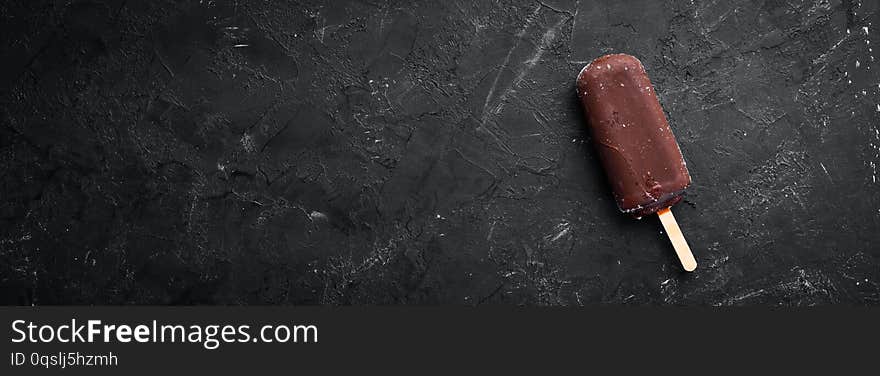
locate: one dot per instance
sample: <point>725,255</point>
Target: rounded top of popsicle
<point>606,64</point>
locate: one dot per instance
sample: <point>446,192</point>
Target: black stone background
<point>429,152</point>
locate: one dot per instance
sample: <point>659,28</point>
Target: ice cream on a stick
<point>642,160</point>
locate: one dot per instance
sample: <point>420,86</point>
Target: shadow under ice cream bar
<point>632,136</point>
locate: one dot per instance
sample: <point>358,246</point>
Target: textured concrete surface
<point>399,153</point>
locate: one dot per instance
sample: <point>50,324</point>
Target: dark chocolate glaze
<point>630,131</point>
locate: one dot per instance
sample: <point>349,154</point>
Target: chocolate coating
<point>638,150</point>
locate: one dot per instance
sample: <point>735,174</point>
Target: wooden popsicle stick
<point>681,246</point>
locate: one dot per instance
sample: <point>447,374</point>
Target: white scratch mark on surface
<point>826,171</point>
<point>530,63</point>
<point>824,57</point>
<point>491,230</point>
<point>562,229</point>
<point>548,37</point>
<point>506,62</point>
<point>316,215</point>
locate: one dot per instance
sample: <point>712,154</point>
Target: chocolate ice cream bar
<point>635,144</point>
